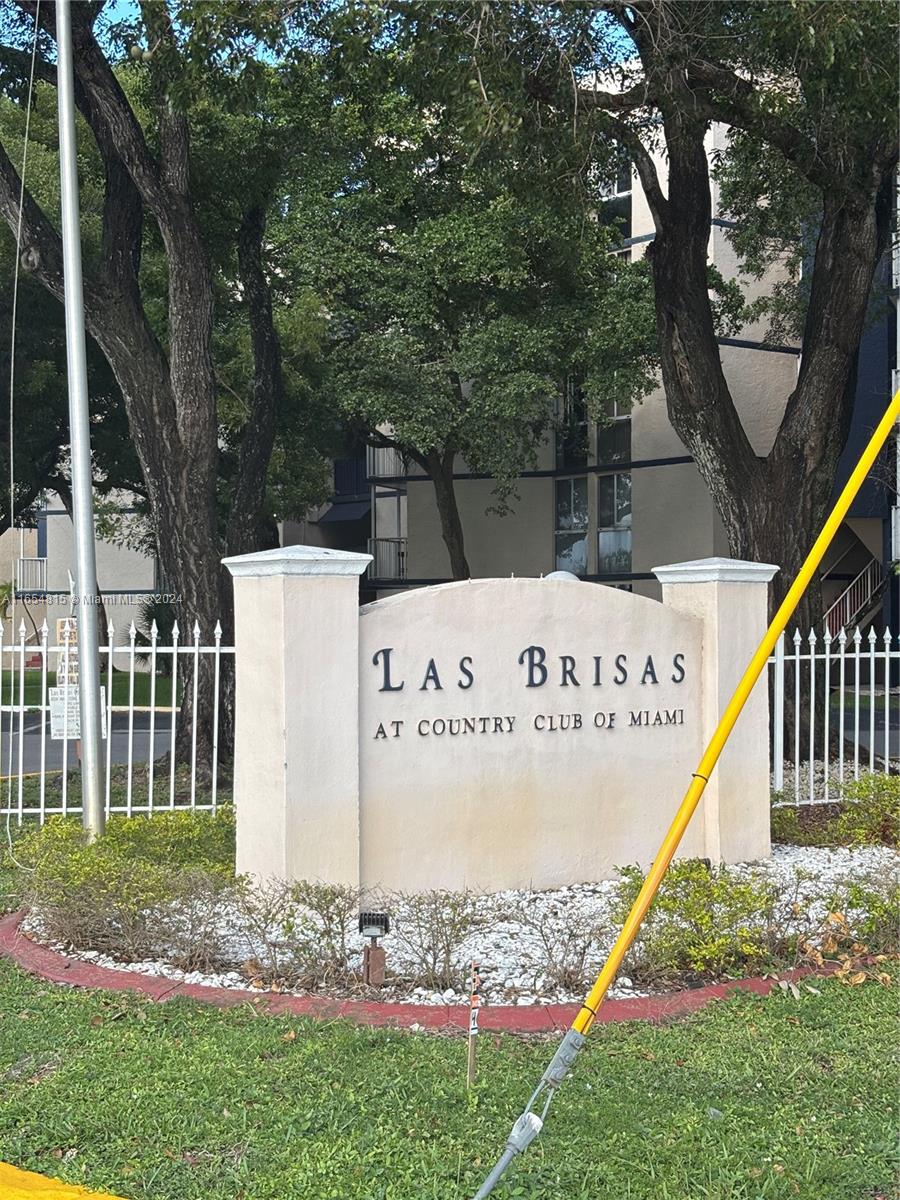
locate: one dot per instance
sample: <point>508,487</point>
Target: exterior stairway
<point>859,601</point>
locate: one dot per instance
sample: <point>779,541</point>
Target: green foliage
<point>705,922</point>
<point>875,906</point>
<point>119,892</point>
<point>203,840</point>
<point>871,812</point>
<point>244,151</point>
<point>867,814</point>
<point>802,825</point>
<point>785,825</point>
<point>460,295</point>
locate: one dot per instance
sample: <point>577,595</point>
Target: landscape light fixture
<point>373,925</point>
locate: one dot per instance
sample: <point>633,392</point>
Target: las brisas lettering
<point>537,668</point>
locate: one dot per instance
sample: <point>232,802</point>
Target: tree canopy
<point>300,215</point>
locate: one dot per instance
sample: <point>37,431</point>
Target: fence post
<point>778,718</point>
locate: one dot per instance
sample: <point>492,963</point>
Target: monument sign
<point>492,733</point>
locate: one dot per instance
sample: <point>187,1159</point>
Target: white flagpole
<point>80,437</point>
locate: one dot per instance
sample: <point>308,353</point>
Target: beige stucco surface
<point>445,769</point>
<point>528,807</point>
<point>520,542</point>
<point>733,617</point>
<point>295,767</point>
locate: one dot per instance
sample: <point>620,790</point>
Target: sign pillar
<point>296,758</point>
<point>731,599</point>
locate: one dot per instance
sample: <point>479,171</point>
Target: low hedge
<point>866,814</point>
<point>148,881</point>
<point>164,887</point>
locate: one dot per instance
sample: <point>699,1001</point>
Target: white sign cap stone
<point>297,560</point>
<point>716,570</point>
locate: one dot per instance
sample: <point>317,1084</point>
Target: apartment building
<point>44,569</point>
<point>609,502</point>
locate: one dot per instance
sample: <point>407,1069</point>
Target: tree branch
<point>41,249</point>
<point>619,102</point>
<point>721,95</point>
<point>122,217</point>
<point>249,493</point>
<point>111,117</point>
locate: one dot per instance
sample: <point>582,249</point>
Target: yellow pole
<point>595,997</point>
<point>529,1124</point>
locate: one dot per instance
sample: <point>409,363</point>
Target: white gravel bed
<point>519,926</point>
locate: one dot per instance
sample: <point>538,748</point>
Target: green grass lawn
<point>120,687</point>
<point>753,1098</point>
<point>865,704</point>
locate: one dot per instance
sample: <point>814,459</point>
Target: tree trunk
<point>772,508</point>
<point>181,491</point>
<point>247,524</point>
<point>440,469</point>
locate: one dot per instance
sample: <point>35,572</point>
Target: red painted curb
<point>534,1018</point>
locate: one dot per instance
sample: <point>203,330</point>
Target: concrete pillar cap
<point>716,570</point>
<point>297,560</point>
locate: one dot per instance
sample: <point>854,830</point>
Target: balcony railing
<point>31,575</point>
<point>384,462</point>
<point>388,558</point>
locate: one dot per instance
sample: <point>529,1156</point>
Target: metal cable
<point>12,412</point>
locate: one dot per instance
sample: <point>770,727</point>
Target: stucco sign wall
<point>487,734</point>
<point>509,727</point>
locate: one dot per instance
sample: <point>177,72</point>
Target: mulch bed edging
<point>537,1018</point>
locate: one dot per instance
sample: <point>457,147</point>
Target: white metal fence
<point>846,711</point>
<point>143,683</point>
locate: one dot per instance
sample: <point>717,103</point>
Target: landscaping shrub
<point>786,826</point>
<point>296,934</point>
<point>330,915</point>
<point>188,927</point>
<point>186,838</point>
<point>705,923</point>
<point>430,929</point>
<point>568,939</point>
<point>867,814</point>
<point>129,890</point>
<point>871,812</point>
<point>871,913</point>
<point>264,910</point>
<point>164,888</point>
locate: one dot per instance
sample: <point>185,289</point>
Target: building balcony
<point>388,558</point>
<point>31,575</point>
<point>384,462</point>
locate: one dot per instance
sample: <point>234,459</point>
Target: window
<point>616,208</point>
<point>614,437</point>
<point>614,524</point>
<point>571,428</point>
<point>571,525</point>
